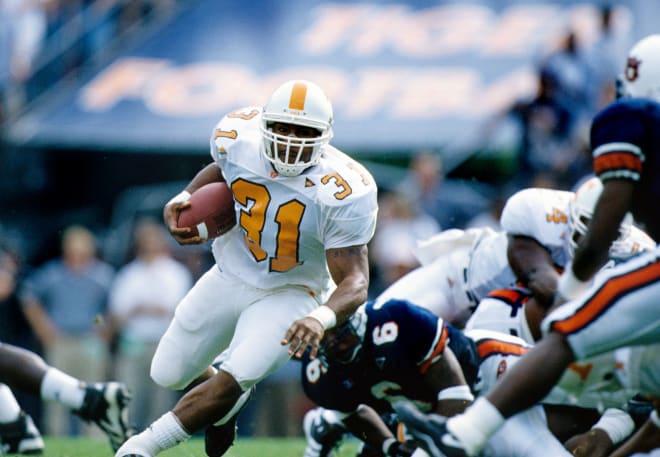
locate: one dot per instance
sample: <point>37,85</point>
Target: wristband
<point>616,423</point>
<point>387,444</point>
<point>181,197</point>
<point>456,393</point>
<point>653,417</point>
<point>325,315</point>
<point>570,287</point>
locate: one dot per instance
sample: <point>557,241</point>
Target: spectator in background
<point>547,152</point>
<point>569,64</point>
<point>22,33</point>
<point>401,224</point>
<point>490,217</point>
<point>606,54</point>
<point>142,302</point>
<point>450,202</point>
<point>64,300</point>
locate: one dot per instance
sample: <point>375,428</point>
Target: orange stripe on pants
<point>607,296</point>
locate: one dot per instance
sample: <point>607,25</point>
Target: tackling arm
<point>533,266</point>
<point>593,250</point>
<point>446,378</point>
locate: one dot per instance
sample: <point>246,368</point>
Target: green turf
<point>244,447</point>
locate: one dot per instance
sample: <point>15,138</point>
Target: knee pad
<point>166,375</point>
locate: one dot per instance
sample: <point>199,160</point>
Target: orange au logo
<point>632,69</point>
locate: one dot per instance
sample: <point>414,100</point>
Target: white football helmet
<point>641,76</point>
<point>296,102</point>
<point>581,209</point>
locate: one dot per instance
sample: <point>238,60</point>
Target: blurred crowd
<point>45,42</point>
<point>100,320</point>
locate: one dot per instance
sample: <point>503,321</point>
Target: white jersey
<point>605,381</point>
<point>541,214</point>
<point>458,267</point>
<point>526,434</point>
<point>489,266</point>
<point>637,241</point>
<point>502,311</point>
<point>285,224</point>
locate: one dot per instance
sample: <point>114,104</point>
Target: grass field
<point>244,447</point>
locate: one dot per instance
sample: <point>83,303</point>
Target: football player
<point>390,352</point>
<point>460,267</point>
<point>543,227</point>
<point>294,266</point>
<point>387,351</point>
<point>619,308</point>
<point>103,403</point>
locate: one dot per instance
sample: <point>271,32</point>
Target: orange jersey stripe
<point>508,295</point>
<point>486,348</point>
<point>617,161</point>
<point>298,95</point>
<point>439,347</point>
<point>606,296</point>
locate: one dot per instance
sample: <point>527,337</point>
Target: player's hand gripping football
<point>182,235</point>
<point>594,443</point>
<point>303,333</point>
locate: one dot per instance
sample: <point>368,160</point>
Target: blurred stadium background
<point>107,105</point>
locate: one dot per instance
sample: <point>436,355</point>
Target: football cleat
<point>218,438</point>
<point>322,436</point>
<point>106,404</point>
<point>20,437</point>
<point>431,431</point>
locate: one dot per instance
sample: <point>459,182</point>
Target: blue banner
<point>401,75</point>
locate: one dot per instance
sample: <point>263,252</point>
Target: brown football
<point>211,212</point>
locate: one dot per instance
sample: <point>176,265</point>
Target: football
<point>211,211</point>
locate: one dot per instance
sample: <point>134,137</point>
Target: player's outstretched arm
<point>349,268</point>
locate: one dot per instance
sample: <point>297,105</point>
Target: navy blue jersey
<point>400,344</point>
<point>625,139</point>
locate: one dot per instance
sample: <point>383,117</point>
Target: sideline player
<point>616,311</point>
<point>294,266</point>
<point>104,403</point>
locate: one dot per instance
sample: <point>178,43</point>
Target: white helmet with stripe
<point>581,210</point>
<point>301,103</point>
<point>641,77</point>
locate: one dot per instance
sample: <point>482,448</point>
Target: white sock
<point>167,431</point>
<point>60,387</point>
<point>476,425</point>
<point>9,407</point>
<point>332,416</point>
